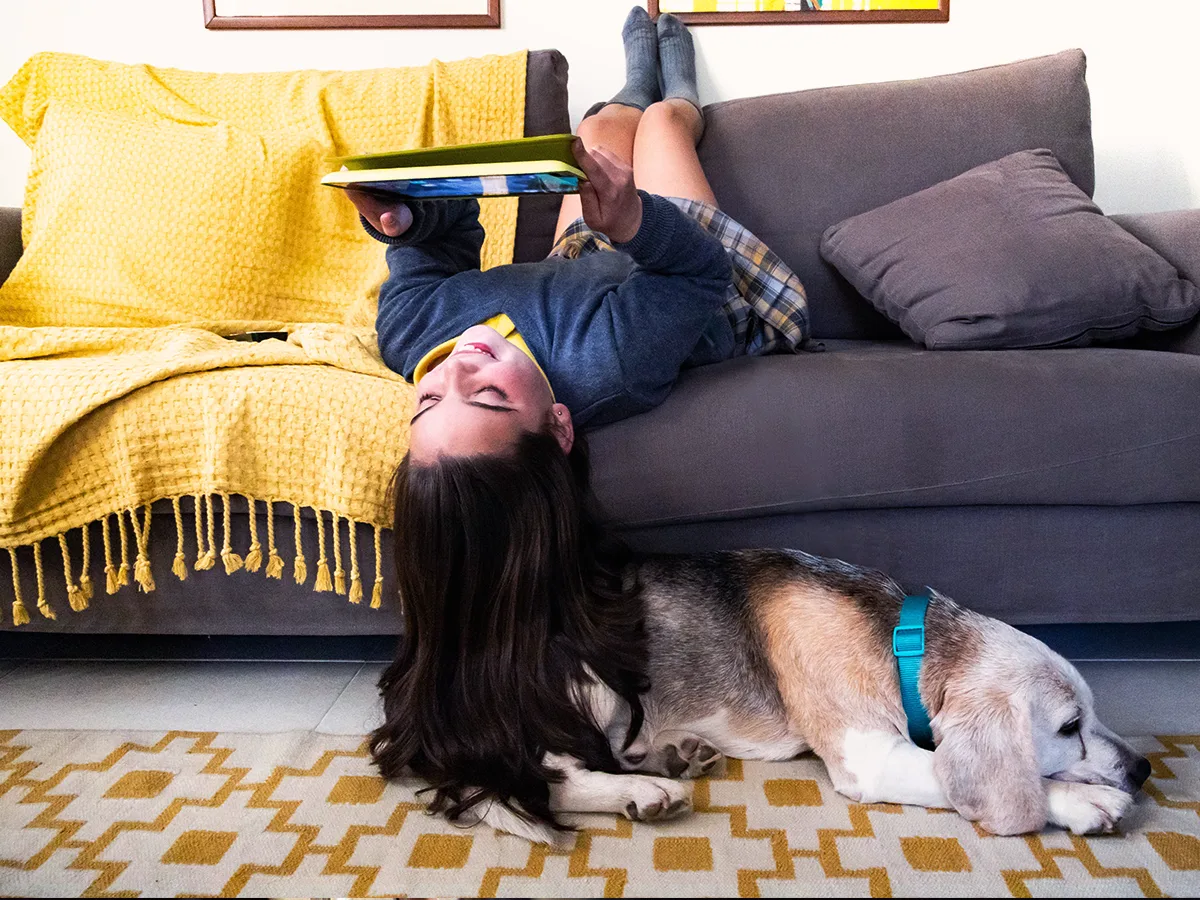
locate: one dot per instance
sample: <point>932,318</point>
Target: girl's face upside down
<point>481,398</point>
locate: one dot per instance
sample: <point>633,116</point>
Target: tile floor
<point>339,697</point>
<point>248,696</point>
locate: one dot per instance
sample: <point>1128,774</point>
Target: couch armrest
<point>1175,235</point>
<point>10,240</point>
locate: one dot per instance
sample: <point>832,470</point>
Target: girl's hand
<point>387,215</point>
<point>610,201</point>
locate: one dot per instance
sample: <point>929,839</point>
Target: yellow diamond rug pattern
<point>181,813</point>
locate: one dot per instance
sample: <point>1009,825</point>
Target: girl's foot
<point>641,62</point>
<point>677,60</point>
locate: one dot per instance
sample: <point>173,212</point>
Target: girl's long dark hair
<point>509,588</point>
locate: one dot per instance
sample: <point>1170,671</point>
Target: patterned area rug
<point>302,814</point>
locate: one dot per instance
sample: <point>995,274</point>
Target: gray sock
<point>641,61</point>
<point>677,59</point>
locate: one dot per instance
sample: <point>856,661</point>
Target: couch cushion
<point>880,425</point>
<point>116,237</point>
<point>1008,254</point>
<point>832,153</point>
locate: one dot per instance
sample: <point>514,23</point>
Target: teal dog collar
<point>908,646</point>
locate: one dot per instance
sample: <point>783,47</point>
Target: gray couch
<point>1041,486</point>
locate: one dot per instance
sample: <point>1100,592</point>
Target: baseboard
<point>349,648</point>
<point>1101,641</point>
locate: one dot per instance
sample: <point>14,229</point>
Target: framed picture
<point>235,14</point>
<point>801,12</point>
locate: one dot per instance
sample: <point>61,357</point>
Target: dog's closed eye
<point>1070,729</point>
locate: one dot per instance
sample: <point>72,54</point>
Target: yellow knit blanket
<point>98,423</point>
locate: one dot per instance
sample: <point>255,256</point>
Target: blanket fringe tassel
<point>299,566</point>
<point>74,595</point>
<point>179,564</point>
<point>141,567</point>
<point>85,580</point>
<point>339,574</point>
<point>254,554</point>
<point>355,576</point>
<point>20,613</point>
<point>206,555</point>
<point>123,572</point>
<point>232,561</point>
<point>110,571</point>
<point>81,590</point>
<point>323,582</point>
<point>274,560</point>
<point>377,591</point>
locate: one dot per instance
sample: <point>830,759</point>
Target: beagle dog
<point>767,654</point>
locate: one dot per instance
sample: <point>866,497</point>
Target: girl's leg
<point>613,128</point>
<point>664,152</point>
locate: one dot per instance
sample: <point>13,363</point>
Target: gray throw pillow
<point>1008,254</point>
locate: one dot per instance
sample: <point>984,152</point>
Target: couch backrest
<point>787,166</point>
<point>546,112</point>
<point>10,240</point>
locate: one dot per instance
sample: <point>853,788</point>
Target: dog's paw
<point>676,754</point>
<point>500,817</point>
<point>650,799</point>
<point>689,756</point>
<point>1088,808</point>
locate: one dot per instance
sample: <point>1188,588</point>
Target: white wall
<point>1144,105</point>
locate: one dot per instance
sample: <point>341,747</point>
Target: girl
<point>509,587</point>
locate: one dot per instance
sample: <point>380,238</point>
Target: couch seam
<point>768,508</point>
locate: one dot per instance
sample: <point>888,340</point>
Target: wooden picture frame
<point>811,16</point>
<point>214,20</point>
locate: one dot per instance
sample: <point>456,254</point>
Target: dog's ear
<point>986,762</point>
